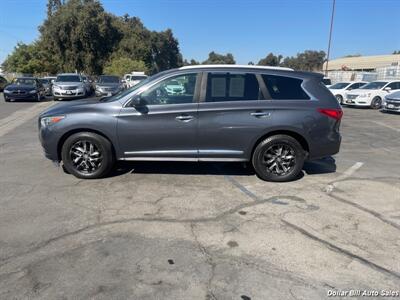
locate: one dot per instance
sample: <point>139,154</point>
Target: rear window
<point>232,87</point>
<point>285,88</point>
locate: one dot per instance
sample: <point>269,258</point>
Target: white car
<point>340,89</point>
<point>134,78</point>
<point>372,94</point>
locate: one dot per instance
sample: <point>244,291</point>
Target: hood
<point>394,96</point>
<point>361,91</point>
<point>68,83</point>
<point>111,84</point>
<point>68,107</point>
<point>21,87</point>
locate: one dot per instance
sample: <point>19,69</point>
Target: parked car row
<point>376,95</point>
<point>65,86</point>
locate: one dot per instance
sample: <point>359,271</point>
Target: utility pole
<point>330,37</point>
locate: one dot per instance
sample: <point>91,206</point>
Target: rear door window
<point>232,87</point>
<point>285,88</point>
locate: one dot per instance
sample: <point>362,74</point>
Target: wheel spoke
<point>85,156</point>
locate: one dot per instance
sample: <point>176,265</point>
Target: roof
<point>235,66</point>
<point>363,62</point>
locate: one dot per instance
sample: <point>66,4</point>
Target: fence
<point>384,73</point>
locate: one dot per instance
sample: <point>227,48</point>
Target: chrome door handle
<point>184,118</point>
<point>260,114</point>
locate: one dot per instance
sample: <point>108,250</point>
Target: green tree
<point>215,58</point>
<point>24,59</point>
<point>192,62</point>
<point>53,6</point>
<point>309,60</point>
<point>396,52</point>
<point>80,36</point>
<point>123,65</point>
<point>271,60</point>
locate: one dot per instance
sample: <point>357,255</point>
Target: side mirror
<point>138,102</point>
<point>387,89</point>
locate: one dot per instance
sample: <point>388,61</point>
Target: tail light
<point>336,114</point>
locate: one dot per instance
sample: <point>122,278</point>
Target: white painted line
<point>19,117</point>
<point>387,126</point>
<point>346,174</point>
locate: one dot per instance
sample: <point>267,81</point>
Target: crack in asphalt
<point>216,218</point>
<point>342,251</point>
<point>210,261</point>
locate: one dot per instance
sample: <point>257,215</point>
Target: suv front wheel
<point>278,158</point>
<point>87,155</point>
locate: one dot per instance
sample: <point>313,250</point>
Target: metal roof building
<point>363,63</point>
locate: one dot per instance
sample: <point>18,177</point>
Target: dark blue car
<point>24,88</point>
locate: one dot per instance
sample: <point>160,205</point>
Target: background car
<point>340,89</point>
<point>69,86</point>
<point>108,85</point>
<point>327,81</point>
<point>47,84</point>
<point>392,102</point>
<point>372,94</point>
<point>174,87</point>
<point>25,88</point>
<point>3,83</point>
<point>134,78</point>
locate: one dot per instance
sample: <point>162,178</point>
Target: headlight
<point>46,121</point>
<point>7,91</point>
<point>98,88</point>
<point>56,86</point>
<point>33,92</point>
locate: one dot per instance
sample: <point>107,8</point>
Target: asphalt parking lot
<point>199,231</point>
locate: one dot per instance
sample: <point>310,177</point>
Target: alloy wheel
<point>279,159</point>
<point>86,157</point>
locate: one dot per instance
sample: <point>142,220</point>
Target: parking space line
<point>19,117</point>
<point>387,126</point>
<point>346,174</point>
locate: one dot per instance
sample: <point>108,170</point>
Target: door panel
<point>165,123</point>
<point>159,131</point>
<point>226,129</point>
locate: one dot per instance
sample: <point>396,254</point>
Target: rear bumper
<point>326,147</point>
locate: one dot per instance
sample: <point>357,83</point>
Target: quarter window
<point>174,90</point>
<point>285,88</point>
<point>232,87</point>
<point>394,85</point>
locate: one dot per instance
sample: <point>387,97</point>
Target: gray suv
<point>275,118</point>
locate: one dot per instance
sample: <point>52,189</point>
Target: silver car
<point>108,85</point>
<point>69,86</point>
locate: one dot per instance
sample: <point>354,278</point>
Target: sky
<point>249,29</point>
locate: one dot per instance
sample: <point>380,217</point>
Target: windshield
<point>339,85</point>
<point>376,85</point>
<point>68,78</point>
<point>25,81</point>
<point>138,77</point>
<point>109,79</point>
<point>44,81</point>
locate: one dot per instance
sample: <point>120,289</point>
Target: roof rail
<point>236,66</point>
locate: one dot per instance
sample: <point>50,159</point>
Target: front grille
<point>68,88</point>
<point>19,92</point>
<point>351,97</point>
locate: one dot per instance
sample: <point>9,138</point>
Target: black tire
<point>376,103</point>
<point>105,158</point>
<point>339,98</point>
<point>294,164</point>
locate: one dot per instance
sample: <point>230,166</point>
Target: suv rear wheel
<point>278,158</point>
<point>87,155</point>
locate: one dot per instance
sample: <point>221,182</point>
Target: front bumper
<point>393,106</point>
<point>26,95</point>
<point>58,93</point>
<point>358,102</point>
<point>49,140</point>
